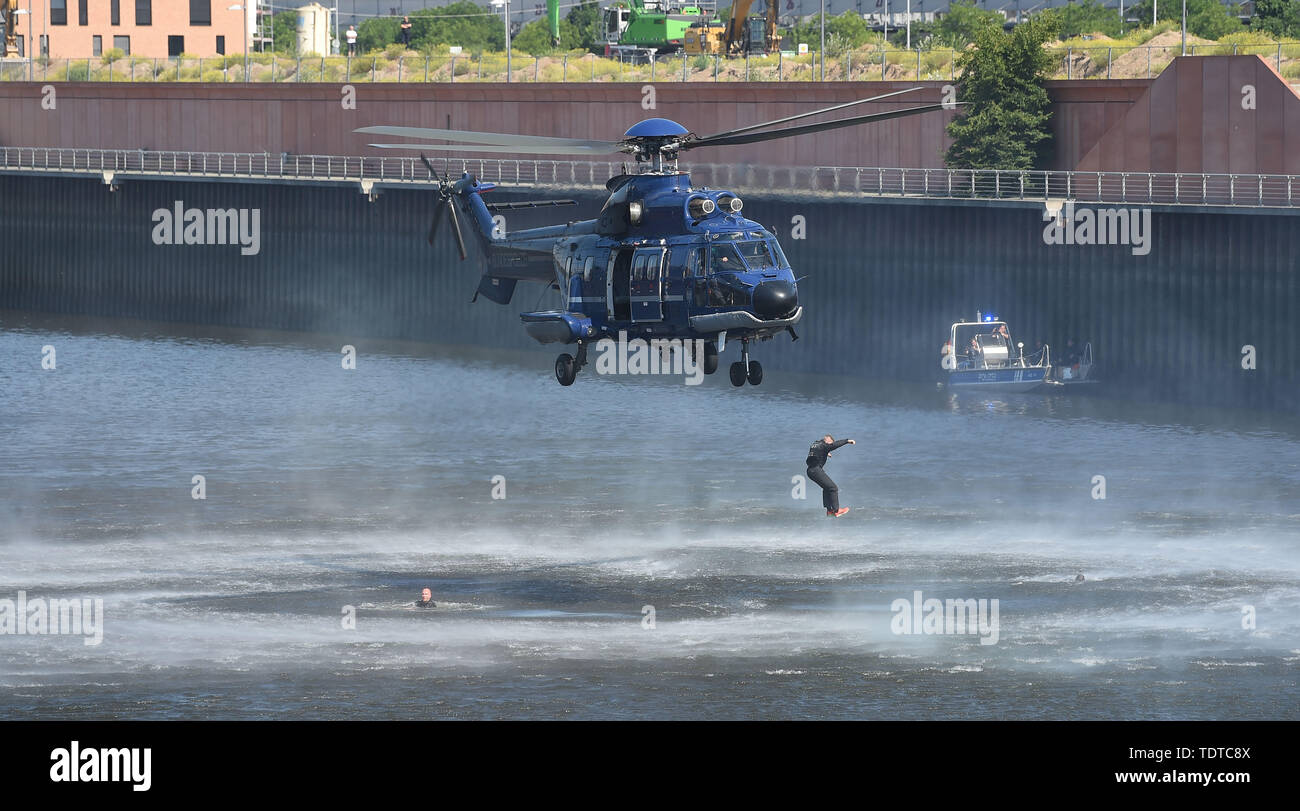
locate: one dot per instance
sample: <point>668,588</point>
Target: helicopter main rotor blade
<point>455,227</point>
<point>758,137</point>
<point>490,138</point>
<point>499,148</point>
<point>788,119</point>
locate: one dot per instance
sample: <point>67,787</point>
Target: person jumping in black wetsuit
<point>818,453</point>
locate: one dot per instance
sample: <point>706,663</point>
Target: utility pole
<point>822,54</point>
<point>1184,27</point>
<point>506,3</point>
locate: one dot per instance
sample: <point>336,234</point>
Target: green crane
<point>553,21</point>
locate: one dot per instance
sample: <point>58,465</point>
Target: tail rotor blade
<point>455,227</point>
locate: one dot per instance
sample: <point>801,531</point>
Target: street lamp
<point>506,3</point>
<point>27,53</point>
<point>243,33</point>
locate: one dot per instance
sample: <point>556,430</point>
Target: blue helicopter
<point>664,260</point>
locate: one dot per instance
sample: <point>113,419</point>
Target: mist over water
<point>329,488</point>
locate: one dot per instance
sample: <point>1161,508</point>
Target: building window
<point>21,42</point>
<point>221,45</point>
<point>96,45</point>
<point>175,45</point>
<point>123,44</point>
<point>144,12</point>
<point>200,12</point>
<point>115,12</point>
<point>58,12</point>
<point>83,16</point>
<point>45,45</point>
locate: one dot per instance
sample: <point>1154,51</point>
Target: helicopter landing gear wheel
<point>566,369</point>
<point>737,374</point>
<point>755,373</point>
<point>710,357</point>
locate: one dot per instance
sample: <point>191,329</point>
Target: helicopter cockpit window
<point>777,252</point>
<point>728,291</point>
<point>757,255</point>
<point>723,258</point>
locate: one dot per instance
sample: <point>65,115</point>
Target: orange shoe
<point>837,513</point>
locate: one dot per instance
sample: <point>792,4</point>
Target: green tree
<point>535,38</point>
<point>1087,17</point>
<point>473,27</point>
<point>845,32</point>
<point>377,33</point>
<point>1277,18</point>
<point>963,24</point>
<point>1210,19</point>
<point>1004,118</point>
<point>585,20</point>
<point>284,32</point>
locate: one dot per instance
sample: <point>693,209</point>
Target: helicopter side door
<point>676,283</point>
<point>647,285</point>
<point>618,285</point>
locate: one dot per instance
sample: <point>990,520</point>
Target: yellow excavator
<point>739,35</point>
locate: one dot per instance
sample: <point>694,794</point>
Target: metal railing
<point>1141,188</point>
<point>867,64</point>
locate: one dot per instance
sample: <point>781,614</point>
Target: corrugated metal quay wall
<point>885,278</point>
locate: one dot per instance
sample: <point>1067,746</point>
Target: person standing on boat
<point>818,453</point>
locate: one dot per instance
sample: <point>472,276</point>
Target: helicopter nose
<point>775,299</point>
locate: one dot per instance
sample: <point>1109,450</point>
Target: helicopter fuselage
<point>663,260</point>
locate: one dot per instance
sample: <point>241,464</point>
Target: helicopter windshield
<point>756,255</point>
<point>723,258</point>
<point>776,249</point>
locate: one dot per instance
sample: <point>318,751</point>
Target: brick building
<point>158,28</point>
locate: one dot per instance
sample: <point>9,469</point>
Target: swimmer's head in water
<point>426,595</point>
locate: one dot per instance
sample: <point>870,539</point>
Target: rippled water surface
<point>333,494</point>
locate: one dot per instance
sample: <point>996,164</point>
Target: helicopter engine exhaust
<point>730,204</point>
<point>701,207</point>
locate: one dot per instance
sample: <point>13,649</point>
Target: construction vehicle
<point>740,34</point>
<point>651,26</point>
<point>553,21</point>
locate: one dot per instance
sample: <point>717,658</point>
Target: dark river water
<point>334,496</point>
